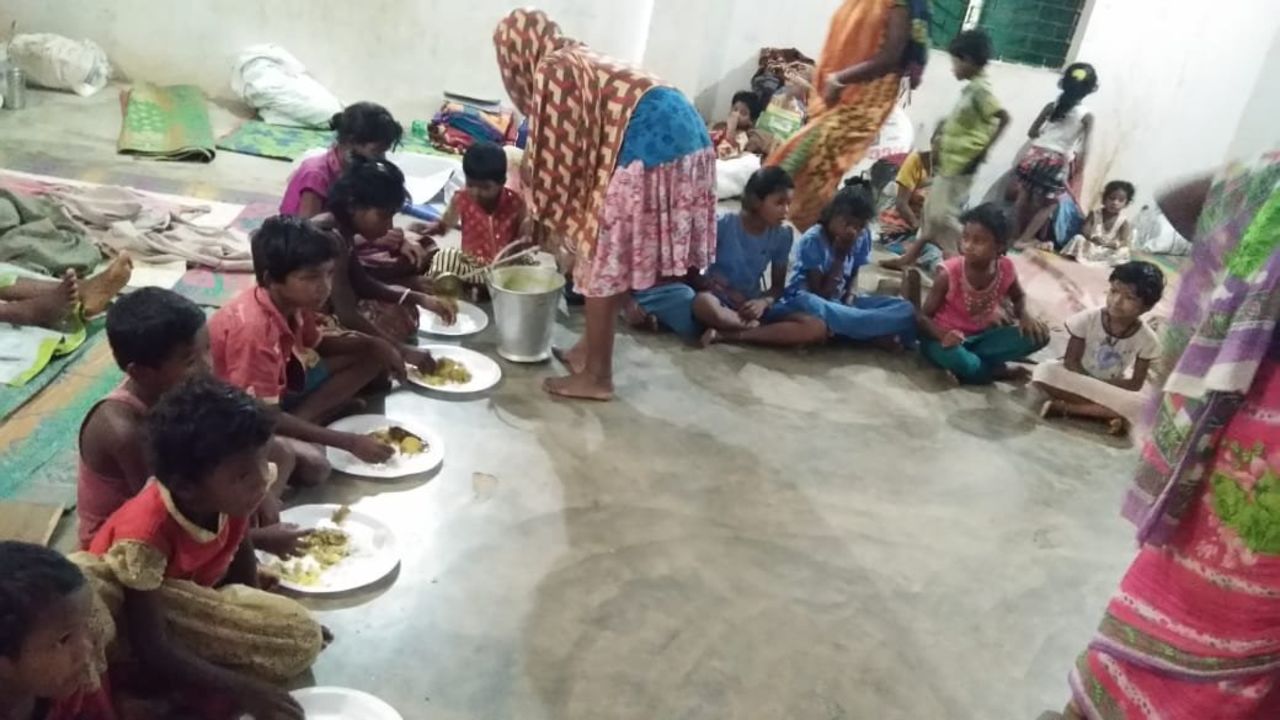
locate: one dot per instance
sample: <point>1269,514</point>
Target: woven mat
<point>280,142</point>
<point>166,123</point>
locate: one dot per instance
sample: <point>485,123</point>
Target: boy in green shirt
<point>961,146</point>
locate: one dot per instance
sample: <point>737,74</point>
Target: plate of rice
<point>416,448</point>
<point>458,371</point>
<point>471,320</point>
<point>347,550</point>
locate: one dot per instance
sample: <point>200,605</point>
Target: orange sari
<point>836,138</point>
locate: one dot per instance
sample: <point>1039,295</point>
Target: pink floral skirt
<point>658,222</point>
<point>1194,631</point>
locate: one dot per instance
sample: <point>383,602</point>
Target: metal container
<point>525,299</point>
<point>15,89</point>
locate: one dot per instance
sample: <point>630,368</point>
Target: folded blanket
<point>166,123</point>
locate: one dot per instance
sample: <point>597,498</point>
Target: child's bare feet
<point>913,287</point>
<point>96,292</point>
<point>47,310</point>
<point>1049,409</point>
<point>575,358</point>
<point>636,318</point>
<point>888,343</point>
<point>710,337</point>
<point>1016,374</point>
<point>899,263</point>
<point>580,386</point>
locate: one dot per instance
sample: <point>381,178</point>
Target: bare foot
<point>49,310</point>
<point>575,358</point>
<point>899,263</point>
<point>579,386</point>
<point>96,292</point>
<point>635,316</point>
<point>889,343</point>
<point>913,287</point>
<point>710,337</point>
<point>1049,409</point>
<point>1016,374</point>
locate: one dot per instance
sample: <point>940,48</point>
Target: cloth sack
<point>60,63</point>
<point>276,84</point>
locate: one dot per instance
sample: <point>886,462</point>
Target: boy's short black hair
<point>366,122</point>
<point>1146,279</point>
<point>855,201</point>
<point>287,243</point>
<point>767,181</point>
<point>972,46</point>
<point>32,578</point>
<point>1124,185</point>
<point>146,326</point>
<point>200,423</point>
<point>751,100</point>
<point>992,217</point>
<point>485,161</point>
<point>377,184</point>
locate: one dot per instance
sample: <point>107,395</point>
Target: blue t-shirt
<point>741,258</point>
<point>814,252</point>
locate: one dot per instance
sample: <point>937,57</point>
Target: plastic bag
<point>1153,233</point>
<point>276,84</point>
<point>782,118</point>
<point>60,63</point>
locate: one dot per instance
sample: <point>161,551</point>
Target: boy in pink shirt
<point>266,342</point>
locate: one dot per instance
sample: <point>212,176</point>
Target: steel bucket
<point>525,299</point>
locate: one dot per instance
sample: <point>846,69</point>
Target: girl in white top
<point>1105,237</point>
<point>1109,355</point>
<point>1059,138</point>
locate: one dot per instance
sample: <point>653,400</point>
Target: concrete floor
<point>742,534</point>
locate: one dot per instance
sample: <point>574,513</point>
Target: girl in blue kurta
<point>824,275</point>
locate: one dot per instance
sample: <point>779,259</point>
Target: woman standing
<point>871,46</point>
<point>619,167</point>
<point>1194,630</point>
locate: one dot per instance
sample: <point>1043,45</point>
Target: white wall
<point>1259,129</point>
<point>1175,78</point>
<point>1176,75</point>
<point>402,53</point>
<point>709,48</point>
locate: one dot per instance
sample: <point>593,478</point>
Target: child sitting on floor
<point>159,340</point>
<point>735,135</point>
<point>363,203</point>
<point>1107,232</point>
<point>179,553</point>
<point>824,277</point>
<point>1109,355</point>
<point>730,303</point>
<point>492,215</point>
<point>963,318</point>
<point>266,340</point>
<point>364,130</point>
<point>51,639</point>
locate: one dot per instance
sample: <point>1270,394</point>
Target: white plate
<point>485,373</point>
<point>333,703</point>
<point>397,466</point>
<point>470,320</point>
<point>374,551</point>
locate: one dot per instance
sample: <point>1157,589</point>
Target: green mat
<point>166,123</point>
<point>281,142</point>
<point>13,398</point>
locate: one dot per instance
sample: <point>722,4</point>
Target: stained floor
<point>743,534</point>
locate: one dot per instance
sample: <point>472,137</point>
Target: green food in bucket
<point>525,280</point>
